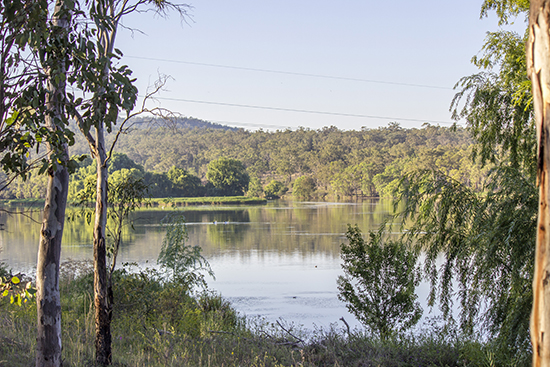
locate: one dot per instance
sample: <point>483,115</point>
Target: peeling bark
<point>538,64</point>
<point>48,346</point>
<point>102,301</point>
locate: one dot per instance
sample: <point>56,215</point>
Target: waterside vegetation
<point>165,323</point>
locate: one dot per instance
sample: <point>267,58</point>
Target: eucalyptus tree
<point>538,63</point>
<point>116,91</point>
<point>36,52</point>
<point>49,251</point>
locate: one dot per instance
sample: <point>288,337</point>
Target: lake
<point>279,260</point>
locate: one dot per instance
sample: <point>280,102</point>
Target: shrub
<point>304,187</point>
<point>181,262</point>
<point>379,283</point>
<point>275,189</point>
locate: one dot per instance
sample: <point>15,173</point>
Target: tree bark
<point>103,298</point>
<point>103,306</point>
<point>538,64</point>
<point>48,346</point>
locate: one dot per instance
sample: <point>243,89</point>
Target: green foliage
<point>127,192</point>
<point>184,184</point>
<point>505,9</point>
<point>181,262</point>
<point>255,188</point>
<point>304,188</point>
<point>379,283</point>
<point>156,324</point>
<point>487,241</point>
<point>12,285</point>
<point>480,238</point>
<point>497,102</point>
<point>33,49</point>
<point>275,189</point>
<point>120,161</point>
<point>228,177</point>
<point>320,154</point>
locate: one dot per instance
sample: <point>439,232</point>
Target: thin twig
<point>347,325</point>
<point>295,337</point>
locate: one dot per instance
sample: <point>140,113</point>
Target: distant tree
<point>183,183</point>
<point>304,188</point>
<point>379,283</point>
<point>275,189</point>
<point>228,176</point>
<point>119,161</point>
<point>158,184</point>
<point>255,188</point>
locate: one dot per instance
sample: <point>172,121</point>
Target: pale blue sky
<point>424,42</point>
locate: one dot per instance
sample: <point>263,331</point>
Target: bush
<point>181,262</point>
<point>228,176</point>
<point>304,187</point>
<point>275,189</point>
<point>379,283</point>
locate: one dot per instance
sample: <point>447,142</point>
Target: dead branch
<point>289,333</point>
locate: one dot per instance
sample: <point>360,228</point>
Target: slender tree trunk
<point>538,63</point>
<point>102,301</point>
<point>48,346</point>
<point>103,297</point>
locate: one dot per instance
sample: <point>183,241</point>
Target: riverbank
<point>210,200</point>
<point>164,324</point>
<point>161,202</point>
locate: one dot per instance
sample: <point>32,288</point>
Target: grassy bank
<point>164,202</point>
<point>164,324</point>
<point>211,200</point>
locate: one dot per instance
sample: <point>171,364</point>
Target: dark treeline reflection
<point>278,227</point>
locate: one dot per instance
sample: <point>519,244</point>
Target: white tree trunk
<point>538,63</point>
<point>48,346</point>
<point>103,306</point>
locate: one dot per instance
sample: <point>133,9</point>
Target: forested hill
<point>177,122</point>
<point>336,163</point>
<point>367,162</point>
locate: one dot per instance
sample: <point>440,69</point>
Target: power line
<point>248,124</point>
<point>298,110</point>
<point>290,73</point>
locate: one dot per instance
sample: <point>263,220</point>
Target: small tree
<point>304,187</point>
<point>379,282</point>
<point>184,184</point>
<point>255,188</point>
<point>275,189</point>
<point>181,262</point>
<point>228,176</point>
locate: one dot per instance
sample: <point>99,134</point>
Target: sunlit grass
<point>165,324</point>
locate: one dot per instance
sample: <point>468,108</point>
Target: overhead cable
<point>290,73</point>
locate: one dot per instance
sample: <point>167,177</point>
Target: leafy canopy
<point>380,277</point>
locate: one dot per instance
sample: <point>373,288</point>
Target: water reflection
<point>277,260</point>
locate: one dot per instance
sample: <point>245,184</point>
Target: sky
<point>286,64</point>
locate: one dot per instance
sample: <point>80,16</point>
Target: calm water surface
<point>280,260</point>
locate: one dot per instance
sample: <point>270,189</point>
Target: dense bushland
<point>329,162</point>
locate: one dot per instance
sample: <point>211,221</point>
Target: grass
<point>158,323</point>
<point>211,200</point>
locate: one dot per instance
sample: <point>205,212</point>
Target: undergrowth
<point>160,323</point>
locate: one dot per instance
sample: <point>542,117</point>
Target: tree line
<point>324,164</point>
